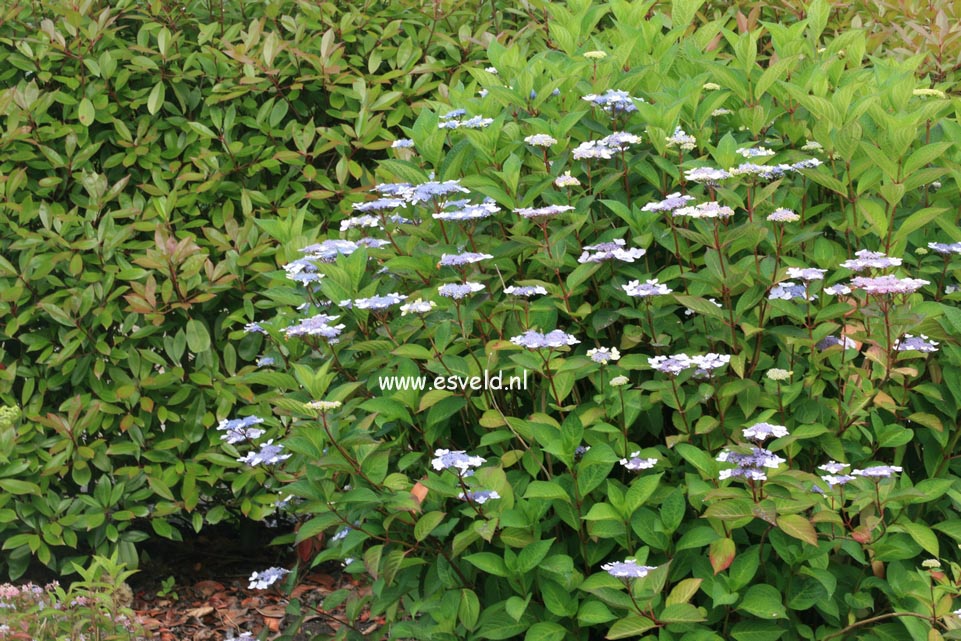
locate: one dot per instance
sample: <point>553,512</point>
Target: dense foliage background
<point>163,162</point>
<point>156,159</point>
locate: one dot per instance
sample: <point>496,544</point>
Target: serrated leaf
<point>684,591</point>
<point>764,602</point>
<point>924,155</point>
<point>757,631</point>
<point>799,527</point>
<point>721,553</point>
<point>630,626</point>
<point>469,609</point>
<point>545,631</point>
<point>916,221</point>
<point>488,562</point>
<point>700,306</point>
<point>426,524</point>
<point>700,459</point>
<point>818,13</point>
<point>683,12</point>
<point>681,613</point>
<point>546,490</point>
<point>730,510</point>
<point>531,556</point>
<point>923,536</point>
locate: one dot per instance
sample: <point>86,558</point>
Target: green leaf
<point>160,488</point>
<point>681,613</point>
<point>202,129</point>
<point>772,74</point>
<point>86,112</point>
<point>640,491</point>
<point>198,340</point>
<point>546,490</point>
<point>16,486</point>
<point>684,591</point>
<point>426,524</point>
<point>700,305</point>
<point>557,599</point>
<point>953,317</point>
<point>915,221</point>
<point>879,158</point>
<point>531,556</point>
<point>590,475</point>
<point>488,562</point>
<point>630,626</point>
<point>602,512</point>
<point>683,12</point>
<point>764,602</point>
<point>672,510</point>
<point>593,612</point>
<point>757,631</point>
<point>516,606</point>
<point>700,459</point>
<point>924,155</point>
<point>697,537</point>
<point>799,527</point>
<point>469,609</point>
<point>412,350</point>
<point>496,626</point>
<point>730,510</point>
<point>818,13</point>
<point>156,99</point>
<point>951,527</point>
<point>923,536</point>
<point>545,631</point>
<point>18,540</point>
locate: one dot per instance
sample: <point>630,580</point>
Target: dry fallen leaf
<point>323,580</point>
<point>200,612</point>
<point>273,611</point>
<point>300,590</point>
<point>208,588</point>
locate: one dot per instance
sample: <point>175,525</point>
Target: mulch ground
<point>210,598</point>
<point>198,589</point>
<point>211,610</point>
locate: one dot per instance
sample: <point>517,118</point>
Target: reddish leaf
<point>861,535</point>
<point>208,588</point>
<point>721,554</point>
<point>419,492</point>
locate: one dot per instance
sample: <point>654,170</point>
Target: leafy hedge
<point>156,159</point>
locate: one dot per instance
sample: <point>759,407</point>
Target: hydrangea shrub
<point>727,261</point>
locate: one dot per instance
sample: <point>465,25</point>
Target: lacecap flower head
<point>456,460</point>
<point>762,431</point>
<point>673,365</point>
<point>532,339</point>
<point>635,462</point>
<point>265,579</point>
<point>628,569</point>
<point>603,355</point>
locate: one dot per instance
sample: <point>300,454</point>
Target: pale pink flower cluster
<point>888,284</point>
